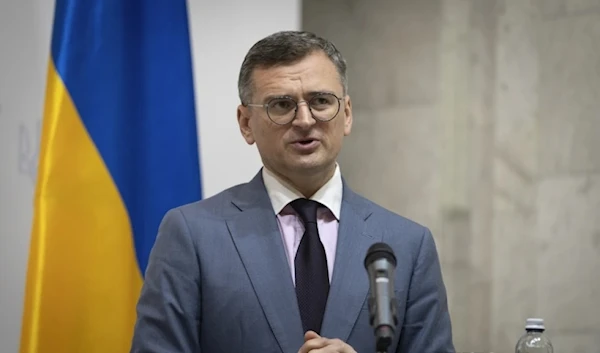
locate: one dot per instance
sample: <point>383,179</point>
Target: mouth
<point>306,145</point>
<point>305,142</point>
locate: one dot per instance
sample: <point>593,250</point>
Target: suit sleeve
<point>168,310</point>
<point>426,326</point>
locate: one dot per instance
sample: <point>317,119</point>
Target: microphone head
<point>380,251</point>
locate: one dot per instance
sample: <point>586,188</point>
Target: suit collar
<point>350,282</point>
<point>255,194</point>
<point>282,193</point>
<point>257,238</point>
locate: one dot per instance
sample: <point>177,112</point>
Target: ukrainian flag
<point>119,148</point>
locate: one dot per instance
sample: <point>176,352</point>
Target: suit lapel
<point>350,283</point>
<point>258,241</point>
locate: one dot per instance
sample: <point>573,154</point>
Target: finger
<point>312,344</point>
<point>335,346</point>
<point>331,346</point>
<point>338,346</point>
<point>346,348</point>
<point>310,335</point>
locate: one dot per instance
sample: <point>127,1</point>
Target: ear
<point>243,117</point>
<point>348,116</point>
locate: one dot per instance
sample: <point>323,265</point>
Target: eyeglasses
<point>282,110</point>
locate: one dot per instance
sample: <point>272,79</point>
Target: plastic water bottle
<point>534,340</point>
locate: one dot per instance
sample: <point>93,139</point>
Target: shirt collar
<point>282,193</point>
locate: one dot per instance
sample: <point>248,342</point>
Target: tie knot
<point>306,209</point>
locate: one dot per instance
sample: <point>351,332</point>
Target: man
<point>260,267</point>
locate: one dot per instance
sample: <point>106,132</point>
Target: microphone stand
<point>384,339</point>
<point>380,263</point>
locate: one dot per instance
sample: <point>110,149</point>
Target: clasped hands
<point>313,343</point>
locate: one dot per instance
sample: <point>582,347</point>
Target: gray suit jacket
<point>218,280</point>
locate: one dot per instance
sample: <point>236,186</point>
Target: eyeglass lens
<point>323,107</point>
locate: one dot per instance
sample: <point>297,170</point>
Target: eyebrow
<point>309,94</point>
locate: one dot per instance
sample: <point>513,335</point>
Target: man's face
<point>284,148</point>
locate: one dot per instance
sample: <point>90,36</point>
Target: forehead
<point>315,72</point>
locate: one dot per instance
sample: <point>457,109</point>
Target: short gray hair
<point>286,47</point>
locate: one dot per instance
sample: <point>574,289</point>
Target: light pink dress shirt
<point>291,226</point>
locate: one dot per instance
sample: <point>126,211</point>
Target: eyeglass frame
<point>266,107</point>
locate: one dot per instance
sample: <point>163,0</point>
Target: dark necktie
<point>312,277</point>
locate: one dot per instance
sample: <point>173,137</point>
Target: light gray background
<point>481,119</point>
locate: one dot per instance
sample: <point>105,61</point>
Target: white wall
<point>222,32</point>
<point>24,51</point>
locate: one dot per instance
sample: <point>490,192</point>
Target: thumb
<point>309,335</point>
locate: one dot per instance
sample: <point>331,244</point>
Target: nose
<point>304,117</point>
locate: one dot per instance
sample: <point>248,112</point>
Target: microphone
<point>380,263</point>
